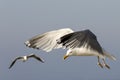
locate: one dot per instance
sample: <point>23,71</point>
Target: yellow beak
<point>66,56</point>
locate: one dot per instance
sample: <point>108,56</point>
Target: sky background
<point>22,19</point>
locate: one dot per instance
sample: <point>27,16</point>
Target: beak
<point>66,56</point>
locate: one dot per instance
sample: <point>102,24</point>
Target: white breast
<point>84,52</point>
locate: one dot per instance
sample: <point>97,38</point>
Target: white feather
<point>48,40</point>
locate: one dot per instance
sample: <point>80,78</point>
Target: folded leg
<point>106,65</point>
<point>99,63</point>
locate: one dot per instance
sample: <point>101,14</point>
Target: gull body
<point>79,43</point>
<point>25,58</point>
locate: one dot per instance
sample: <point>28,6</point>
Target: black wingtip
<point>58,41</point>
<point>9,67</point>
<point>42,61</point>
<point>27,43</point>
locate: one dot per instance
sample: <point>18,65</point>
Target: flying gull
<point>25,58</point>
<point>79,43</point>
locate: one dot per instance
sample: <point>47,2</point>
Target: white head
<point>69,53</point>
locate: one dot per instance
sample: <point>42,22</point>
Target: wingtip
<point>9,67</point>
<point>43,61</point>
<point>27,43</point>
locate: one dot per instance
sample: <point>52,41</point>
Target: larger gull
<point>80,43</point>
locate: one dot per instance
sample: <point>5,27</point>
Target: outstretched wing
<point>79,39</point>
<point>36,57</point>
<point>48,40</point>
<point>14,62</point>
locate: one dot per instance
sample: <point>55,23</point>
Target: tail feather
<point>112,57</point>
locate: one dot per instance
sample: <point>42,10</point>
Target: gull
<point>79,43</point>
<point>25,58</point>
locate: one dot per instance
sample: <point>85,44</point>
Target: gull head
<point>69,53</point>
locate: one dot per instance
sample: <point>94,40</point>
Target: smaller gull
<point>25,58</point>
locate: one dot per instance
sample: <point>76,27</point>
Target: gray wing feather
<point>80,39</point>
<point>36,57</point>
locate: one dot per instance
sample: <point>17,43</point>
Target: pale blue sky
<point>23,19</point>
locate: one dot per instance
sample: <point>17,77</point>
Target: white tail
<point>109,56</point>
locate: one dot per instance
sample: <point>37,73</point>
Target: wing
<point>48,40</point>
<point>81,39</point>
<point>14,62</point>
<point>36,57</point>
